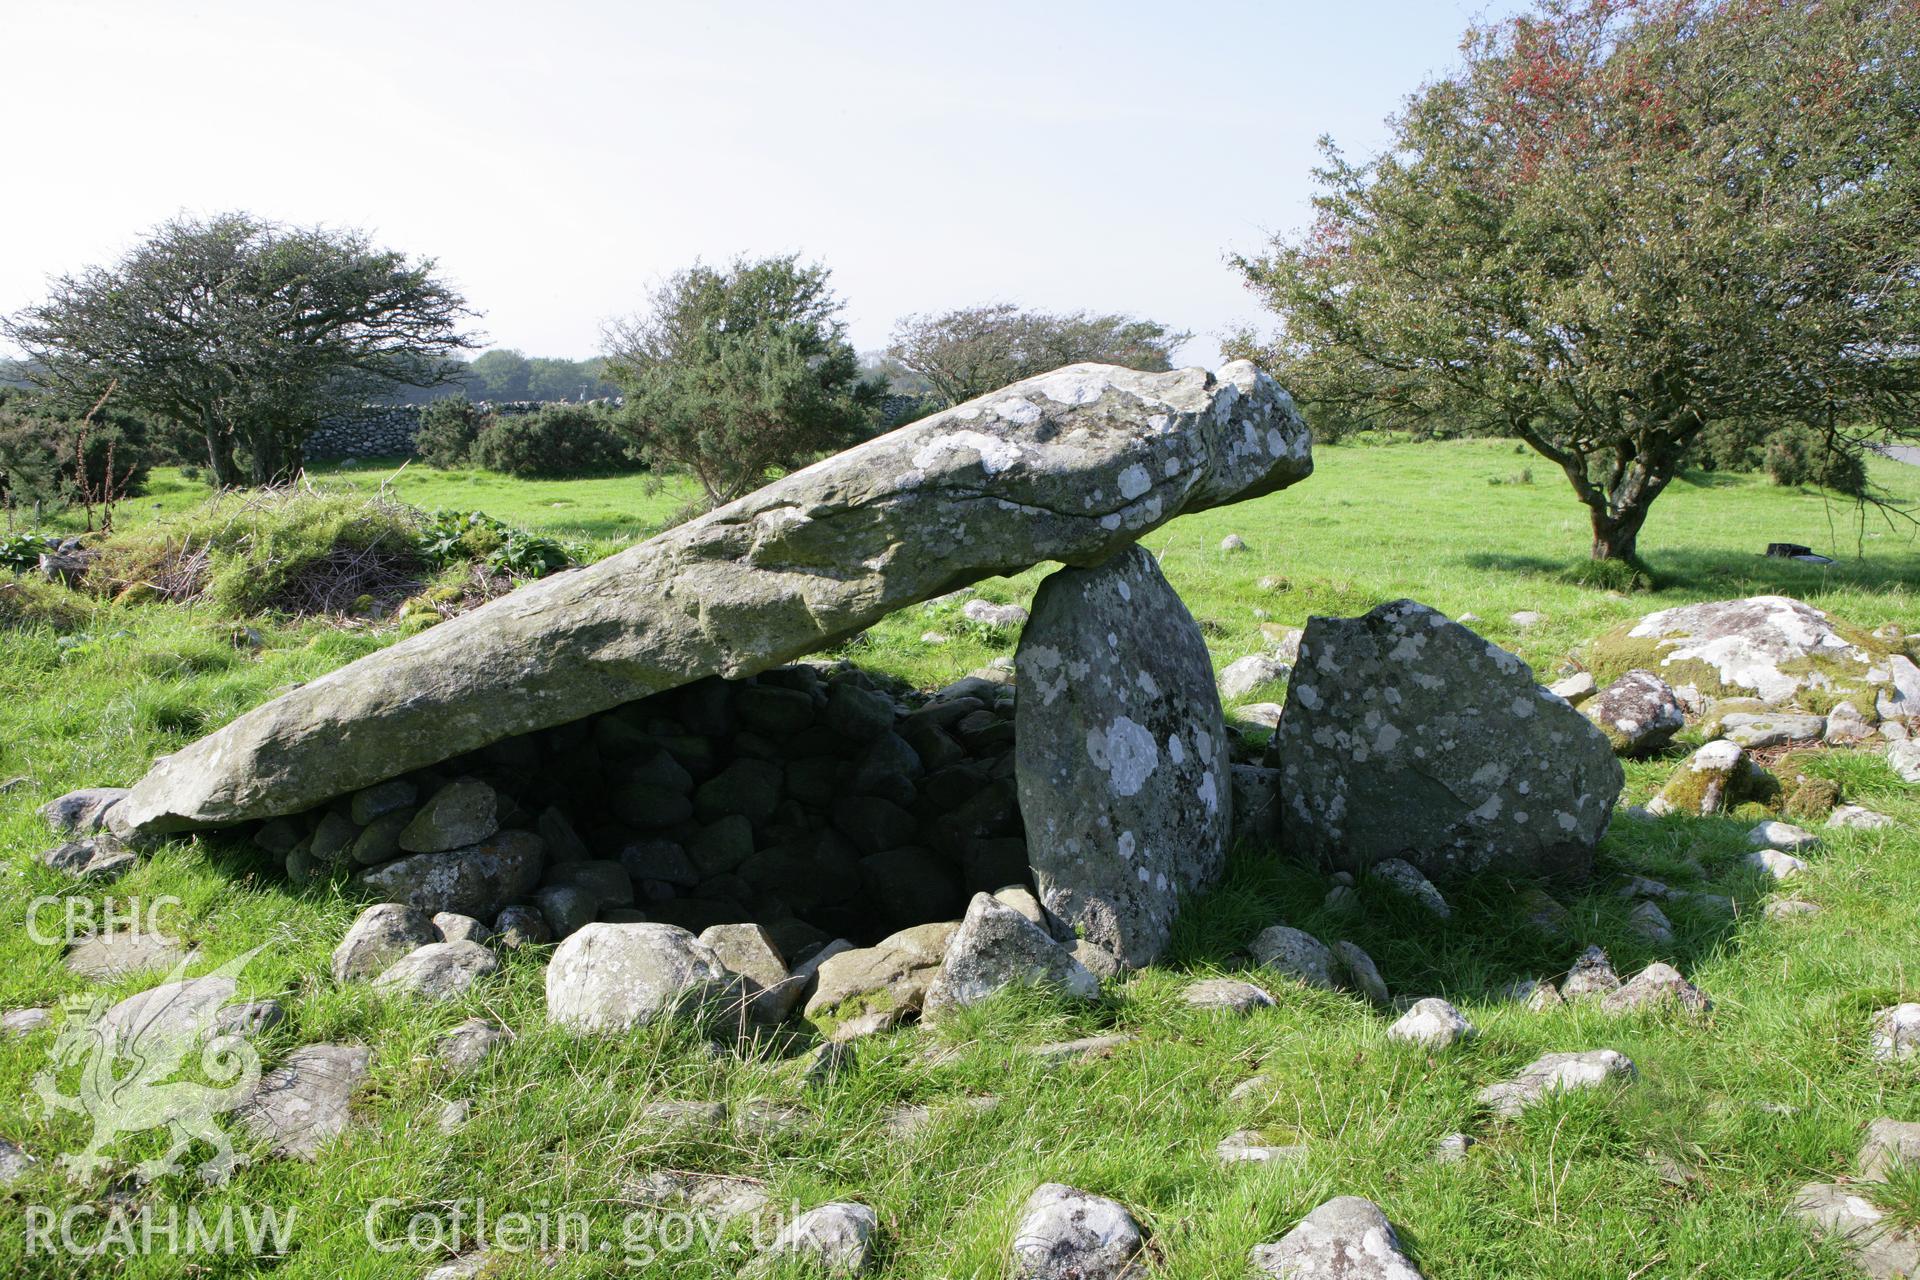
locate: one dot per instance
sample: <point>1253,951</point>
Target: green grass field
<point>1685,1173</point>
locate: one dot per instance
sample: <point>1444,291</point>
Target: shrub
<point>1797,456</point>
<point>44,454</point>
<point>453,537</point>
<point>447,431</point>
<point>558,441</point>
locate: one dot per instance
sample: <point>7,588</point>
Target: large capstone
<point>1407,736</point>
<point>1073,466</point>
<point>1121,753</point>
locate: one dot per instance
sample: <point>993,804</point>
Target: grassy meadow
<point>1684,1173</point>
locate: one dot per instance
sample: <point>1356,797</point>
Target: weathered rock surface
<point>82,812</point>
<point>1716,777</point>
<point>1869,1234</point>
<point>1554,1073</point>
<point>1068,1234</point>
<point>996,947</point>
<point>437,971</point>
<point>305,1101</point>
<point>1769,646</point>
<point>1243,676</point>
<point>608,977</point>
<point>1228,995</point>
<point>380,935</point>
<point>1896,1033</point>
<point>1432,1023</point>
<point>1073,466</point>
<point>836,1238</point>
<point>892,975</point>
<point>470,1044</point>
<point>478,880</point>
<point>1296,953</point>
<point>120,953</point>
<point>1656,985</point>
<point>1408,736</point>
<point>1347,1238</point>
<point>1638,712</point>
<point>1121,753</point>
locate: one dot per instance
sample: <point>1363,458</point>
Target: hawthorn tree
<point>732,372</point>
<point>974,350</point>
<point>1621,223</point>
<point>246,332</point>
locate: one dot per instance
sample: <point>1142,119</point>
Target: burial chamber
<point>650,690</point>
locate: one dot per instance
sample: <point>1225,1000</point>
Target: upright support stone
<point>1121,753</point>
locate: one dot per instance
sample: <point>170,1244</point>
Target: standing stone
<point>1408,736</point>
<point>1072,465</point>
<point>1121,753</point>
<point>1347,1238</point>
<point>1069,1234</point>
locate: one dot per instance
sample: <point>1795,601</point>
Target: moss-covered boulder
<point>1781,651</point>
<point>1717,778</point>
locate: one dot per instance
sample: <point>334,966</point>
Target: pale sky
<point>559,159</point>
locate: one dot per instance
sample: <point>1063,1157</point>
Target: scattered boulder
<point>836,1238</point>
<point>1575,689</point>
<point>1347,1238</point>
<point>1657,985</point>
<point>1407,736</point>
<point>1651,923</point>
<point>1068,1234</point>
<point>996,947</point>
<point>470,1044</point>
<point>1896,1033</point>
<point>15,1162</point>
<point>454,927</point>
<point>1554,1073</point>
<point>24,1022</point>
<point>1782,835</point>
<point>1717,777</point>
<point>1772,647</point>
<point>1250,1146</point>
<point>437,971</point>
<point>1228,995</point>
<point>1591,975</point>
<point>1243,676</point>
<point>1296,953</point>
<point>119,954</point>
<point>1121,753</point>
<point>380,935</point>
<point>985,613</point>
<point>1232,543</point>
<point>1360,972</point>
<point>1638,712</point>
<point>1853,817</point>
<point>1890,1144</point>
<point>1791,909</point>
<point>1771,729</point>
<point>1405,879</point>
<point>1903,758</point>
<point>1774,863</point>
<point>304,1102</point>
<point>1432,1023</point>
<point>748,950</point>
<point>96,857</point>
<point>1878,1245</point>
<point>609,977</point>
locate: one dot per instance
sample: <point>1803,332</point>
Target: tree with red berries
<point>1621,223</point>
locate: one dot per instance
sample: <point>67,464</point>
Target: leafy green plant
<point>455,537</point>
<point>20,552</point>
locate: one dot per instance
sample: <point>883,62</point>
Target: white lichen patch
<point>996,455</point>
<point>1126,753</point>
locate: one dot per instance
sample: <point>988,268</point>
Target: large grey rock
<point>996,947</point>
<point>380,935</point>
<point>1069,1234</point>
<point>1639,713</point>
<point>108,956</point>
<point>459,814</point>
<point>1903,758</point>
<point>1408,736</point>
<point>1243,676</point>
<point>1073,465</point>
<point>892,975</point>
<point>1347,1238</point>
<point>1296,953</point>
<point>305,1101</point>
<point>608,977</point>
<point>1769,646</point>
<point>82,812</point>
<point>1121,753</point>
<point>1432,1023</point>
<point>748,950</point>
<point>475,881</point>
<point>1657,984</point>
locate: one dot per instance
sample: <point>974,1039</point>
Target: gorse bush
<point>555,442</point>
<point>1800,457</point>
<point>447,431</point>
<point>47,454</point>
